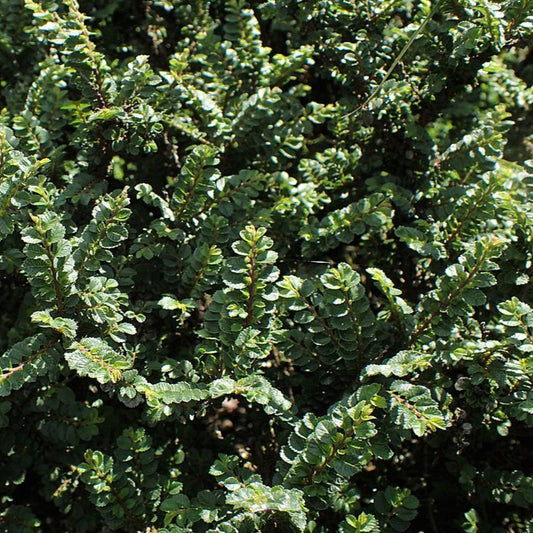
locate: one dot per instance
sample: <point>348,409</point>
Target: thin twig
<point>397,60</point>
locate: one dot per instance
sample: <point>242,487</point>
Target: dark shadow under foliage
<point>265,266</point>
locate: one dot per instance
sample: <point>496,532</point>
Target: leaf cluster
<point>266,266</point>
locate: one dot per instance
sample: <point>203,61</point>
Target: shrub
<point>265,266</point>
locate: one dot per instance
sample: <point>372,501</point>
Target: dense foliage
<point>265,265</point>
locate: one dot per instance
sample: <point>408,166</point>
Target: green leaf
<point>95,358</point>
<point>64,326</point>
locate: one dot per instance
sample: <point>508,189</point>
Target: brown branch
<point>35,356</point>
<point>251,289</point>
